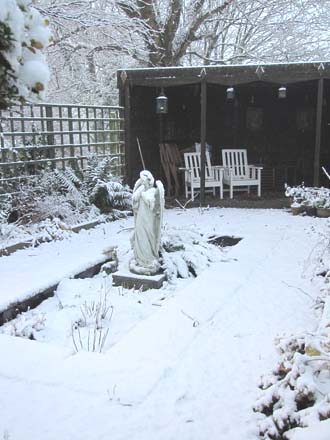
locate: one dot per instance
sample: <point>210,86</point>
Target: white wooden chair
<point>238,173</point>
<point>213,174</point>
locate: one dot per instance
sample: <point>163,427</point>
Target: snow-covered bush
<point>297,393</point>
<point>186,252</point>
<point>25,325</point>
<point>295,192</point>
<point>48,196</point>
<point>309,196</point>
<point>104,190</point>
<point>24,35</point>
<point>47,205</point>
<point>66,194</point>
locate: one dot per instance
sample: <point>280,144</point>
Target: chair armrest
<point>227,171</point>
<point>217,171</point>
<point>254,171</point>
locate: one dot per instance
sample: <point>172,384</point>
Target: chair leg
<point>186,188</point>
<point>192,193</point>
<point>259,190</point>
<point>231,190</point>
<point>221,192</point>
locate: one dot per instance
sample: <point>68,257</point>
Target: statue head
<point>147,179</point>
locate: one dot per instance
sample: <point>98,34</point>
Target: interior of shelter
<point>278,132</point>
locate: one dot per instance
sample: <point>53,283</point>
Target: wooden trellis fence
<point>41,136</point>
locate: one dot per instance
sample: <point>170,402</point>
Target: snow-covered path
<point>189,371</point>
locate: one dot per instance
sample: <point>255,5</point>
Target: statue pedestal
<point>131,280</point>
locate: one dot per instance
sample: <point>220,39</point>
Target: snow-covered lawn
<point>183,362</point>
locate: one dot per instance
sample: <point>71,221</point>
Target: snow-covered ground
<point>183,362</point>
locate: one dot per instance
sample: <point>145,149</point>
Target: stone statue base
<point>143,282</point>
<point>152,269</point>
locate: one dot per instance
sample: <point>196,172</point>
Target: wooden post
<point>50,133</point>
<point>161,128</point>
<point>203,134</point>
<point>71,137</point>
<point>128,138</point>
<point>319,104</point>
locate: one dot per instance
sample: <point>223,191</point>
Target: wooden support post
<point>128,137</point>
<point>318,130</point>
<point>203,134</point>
<point>161,128</point>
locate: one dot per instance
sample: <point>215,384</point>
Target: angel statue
<point>148,207</point>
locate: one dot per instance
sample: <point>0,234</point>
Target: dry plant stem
<point>73,337</point>
<point>183,206</point>
<point>326,173</point>
<point>103,340</point>
<point>60,304</point>
<point>300,290</point>
<point>195,322</point>
<point>92,315</point>
<point>79,334</point>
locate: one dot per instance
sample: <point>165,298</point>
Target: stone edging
<point>25,244</point>
<point>29,303</point>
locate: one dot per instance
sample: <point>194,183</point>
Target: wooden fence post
<point>50,133</point>
<point>71,138</point>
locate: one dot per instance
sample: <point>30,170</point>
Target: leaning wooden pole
<point>203,134</point>
<point>125,101</point>
<point>318,132</point>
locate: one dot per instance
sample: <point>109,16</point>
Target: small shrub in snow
<point>90,330</point>
<point>297,393</point>
<point>186,252</point>
<point>308,196</point>
<point>25,325</point>
<point>104,190</point>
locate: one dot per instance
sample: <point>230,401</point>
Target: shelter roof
<point>227,75</point>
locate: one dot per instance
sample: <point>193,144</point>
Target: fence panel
<point>34,137</point>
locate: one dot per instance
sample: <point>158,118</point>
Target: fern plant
<point>71,195</point>
<point>104,189</point>
<point>186,252</point>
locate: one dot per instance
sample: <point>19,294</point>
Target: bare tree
<point>93,38</point>
<point>171,27</point>
<point>264,31</point>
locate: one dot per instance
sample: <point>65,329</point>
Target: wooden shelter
<point>279,112</point>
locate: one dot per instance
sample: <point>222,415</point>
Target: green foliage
<point>105,190</point>
<point>7,89</point>
<point>67,194</point>
<point>24,36</point>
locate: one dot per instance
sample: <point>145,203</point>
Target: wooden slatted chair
<point>213,174</point>
<point>170,159</point>
<point>237,172</point>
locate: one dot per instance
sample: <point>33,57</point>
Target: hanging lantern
<point>282,92</point>
<point>161,103</point>
<point>230,93</point>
